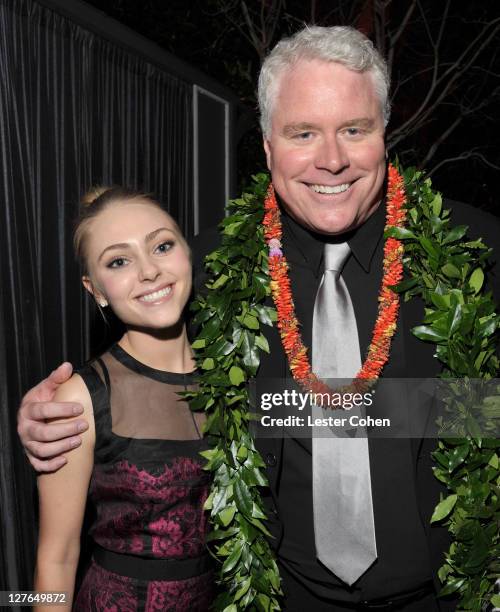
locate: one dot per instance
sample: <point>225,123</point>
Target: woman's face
<point>139,264</point>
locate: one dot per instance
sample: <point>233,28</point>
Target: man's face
<point>326,150</point>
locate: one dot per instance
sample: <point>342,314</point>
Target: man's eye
<point>353,131</point>
<point>119,262</point>
<point>165,246</point>
<point>304,136</point>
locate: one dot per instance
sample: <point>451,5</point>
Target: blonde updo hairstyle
<point>99,198</point>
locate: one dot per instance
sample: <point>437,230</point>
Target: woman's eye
<point>165,246</point>
<point>119,262</point>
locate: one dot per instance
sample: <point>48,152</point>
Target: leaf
<point>429,247</point>
<point>440,301</point>
<point>257,512</point>
<point>199,344</point>
<point>262,343</point>
<point>221,534</point>
<point>401,233</point>
<point>424,332</point>
<point>243,588</point>
<point>457,456</point>
<point>473,428</point>
<point>451,587</point>
<point>478,552</point>
<point>236,376</point>
<point>232,228</point>
<point>487,326</point>
<point>227,515</point>
<point>233,558</point>
<point>443,509</point>
<point>250,321</point>
<point>437,204</point>
<point>405,284</point>
<point>451,271</point>
<point>476,280</point>
<point>250,351</point>
<point>220,281</point>
<point>208,364</point>
<point>455,234</point>
<point>243,497</point>
<point>454,319</point>
<point>495,601</point>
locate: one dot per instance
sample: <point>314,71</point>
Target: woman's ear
<point>99,298</point>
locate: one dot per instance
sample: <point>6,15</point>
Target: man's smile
<point>330,189</point>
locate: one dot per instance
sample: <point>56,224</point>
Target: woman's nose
<point>148,269</point>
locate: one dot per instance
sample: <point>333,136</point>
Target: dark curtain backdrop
<point>75,110</point>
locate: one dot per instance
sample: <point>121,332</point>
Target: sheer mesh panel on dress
<point>145,403</point>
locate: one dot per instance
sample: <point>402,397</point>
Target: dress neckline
<point>172,378</point>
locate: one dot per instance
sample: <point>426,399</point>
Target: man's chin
<point>331,227</point>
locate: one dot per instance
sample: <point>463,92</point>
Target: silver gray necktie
<point>344,526</point>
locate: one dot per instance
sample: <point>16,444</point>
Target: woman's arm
<point>62,499</point>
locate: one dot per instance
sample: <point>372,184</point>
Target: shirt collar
<point>305,246</point>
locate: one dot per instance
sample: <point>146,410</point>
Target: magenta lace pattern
<point>154,515</point>
<point>193,594</point>
<point>105,591</point>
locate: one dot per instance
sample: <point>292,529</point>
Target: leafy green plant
<point>446,270</point>
<point>231,316</point>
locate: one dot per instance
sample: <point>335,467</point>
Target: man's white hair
<point>341,44</point>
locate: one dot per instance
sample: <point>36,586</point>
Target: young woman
<point>139,461</point>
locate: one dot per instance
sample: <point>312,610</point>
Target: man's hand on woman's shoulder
<point>45,442</point>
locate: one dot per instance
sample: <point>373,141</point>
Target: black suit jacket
<point>410,357</point>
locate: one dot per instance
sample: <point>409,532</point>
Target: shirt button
<point>270,460</point>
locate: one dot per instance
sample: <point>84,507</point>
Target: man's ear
<point>99,297</point>
<point>267,149</point>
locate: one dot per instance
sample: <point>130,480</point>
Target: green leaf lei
<point>460,319</point>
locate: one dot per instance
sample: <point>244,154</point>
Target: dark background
<point>79,108</point>
<point>443,55</point>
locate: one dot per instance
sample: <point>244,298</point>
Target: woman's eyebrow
<point>125,245</point>
<point>152,235</point>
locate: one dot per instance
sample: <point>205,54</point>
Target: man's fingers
<point>48,450</point>
<point>44,391</point>
<point>39,411</point>
<point>50,465</point>
<point>61,374</point>
<point>44,432</point>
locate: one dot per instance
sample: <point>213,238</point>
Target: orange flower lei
<point>385,325</point>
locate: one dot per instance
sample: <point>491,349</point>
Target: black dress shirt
<point>403,561</point>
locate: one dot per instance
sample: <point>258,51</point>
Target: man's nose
<point>331,155</point>
<point>148,269</point>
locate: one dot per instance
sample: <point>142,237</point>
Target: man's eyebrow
<point>363,122</point>
<point>295,128</point>
<point>125,245</point>
<point>292,129</point>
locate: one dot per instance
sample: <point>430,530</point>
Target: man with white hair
<point>323,97</point>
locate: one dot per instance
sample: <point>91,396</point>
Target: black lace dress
<point>148,488</point>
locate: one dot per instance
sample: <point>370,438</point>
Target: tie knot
<point>336,255</point>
